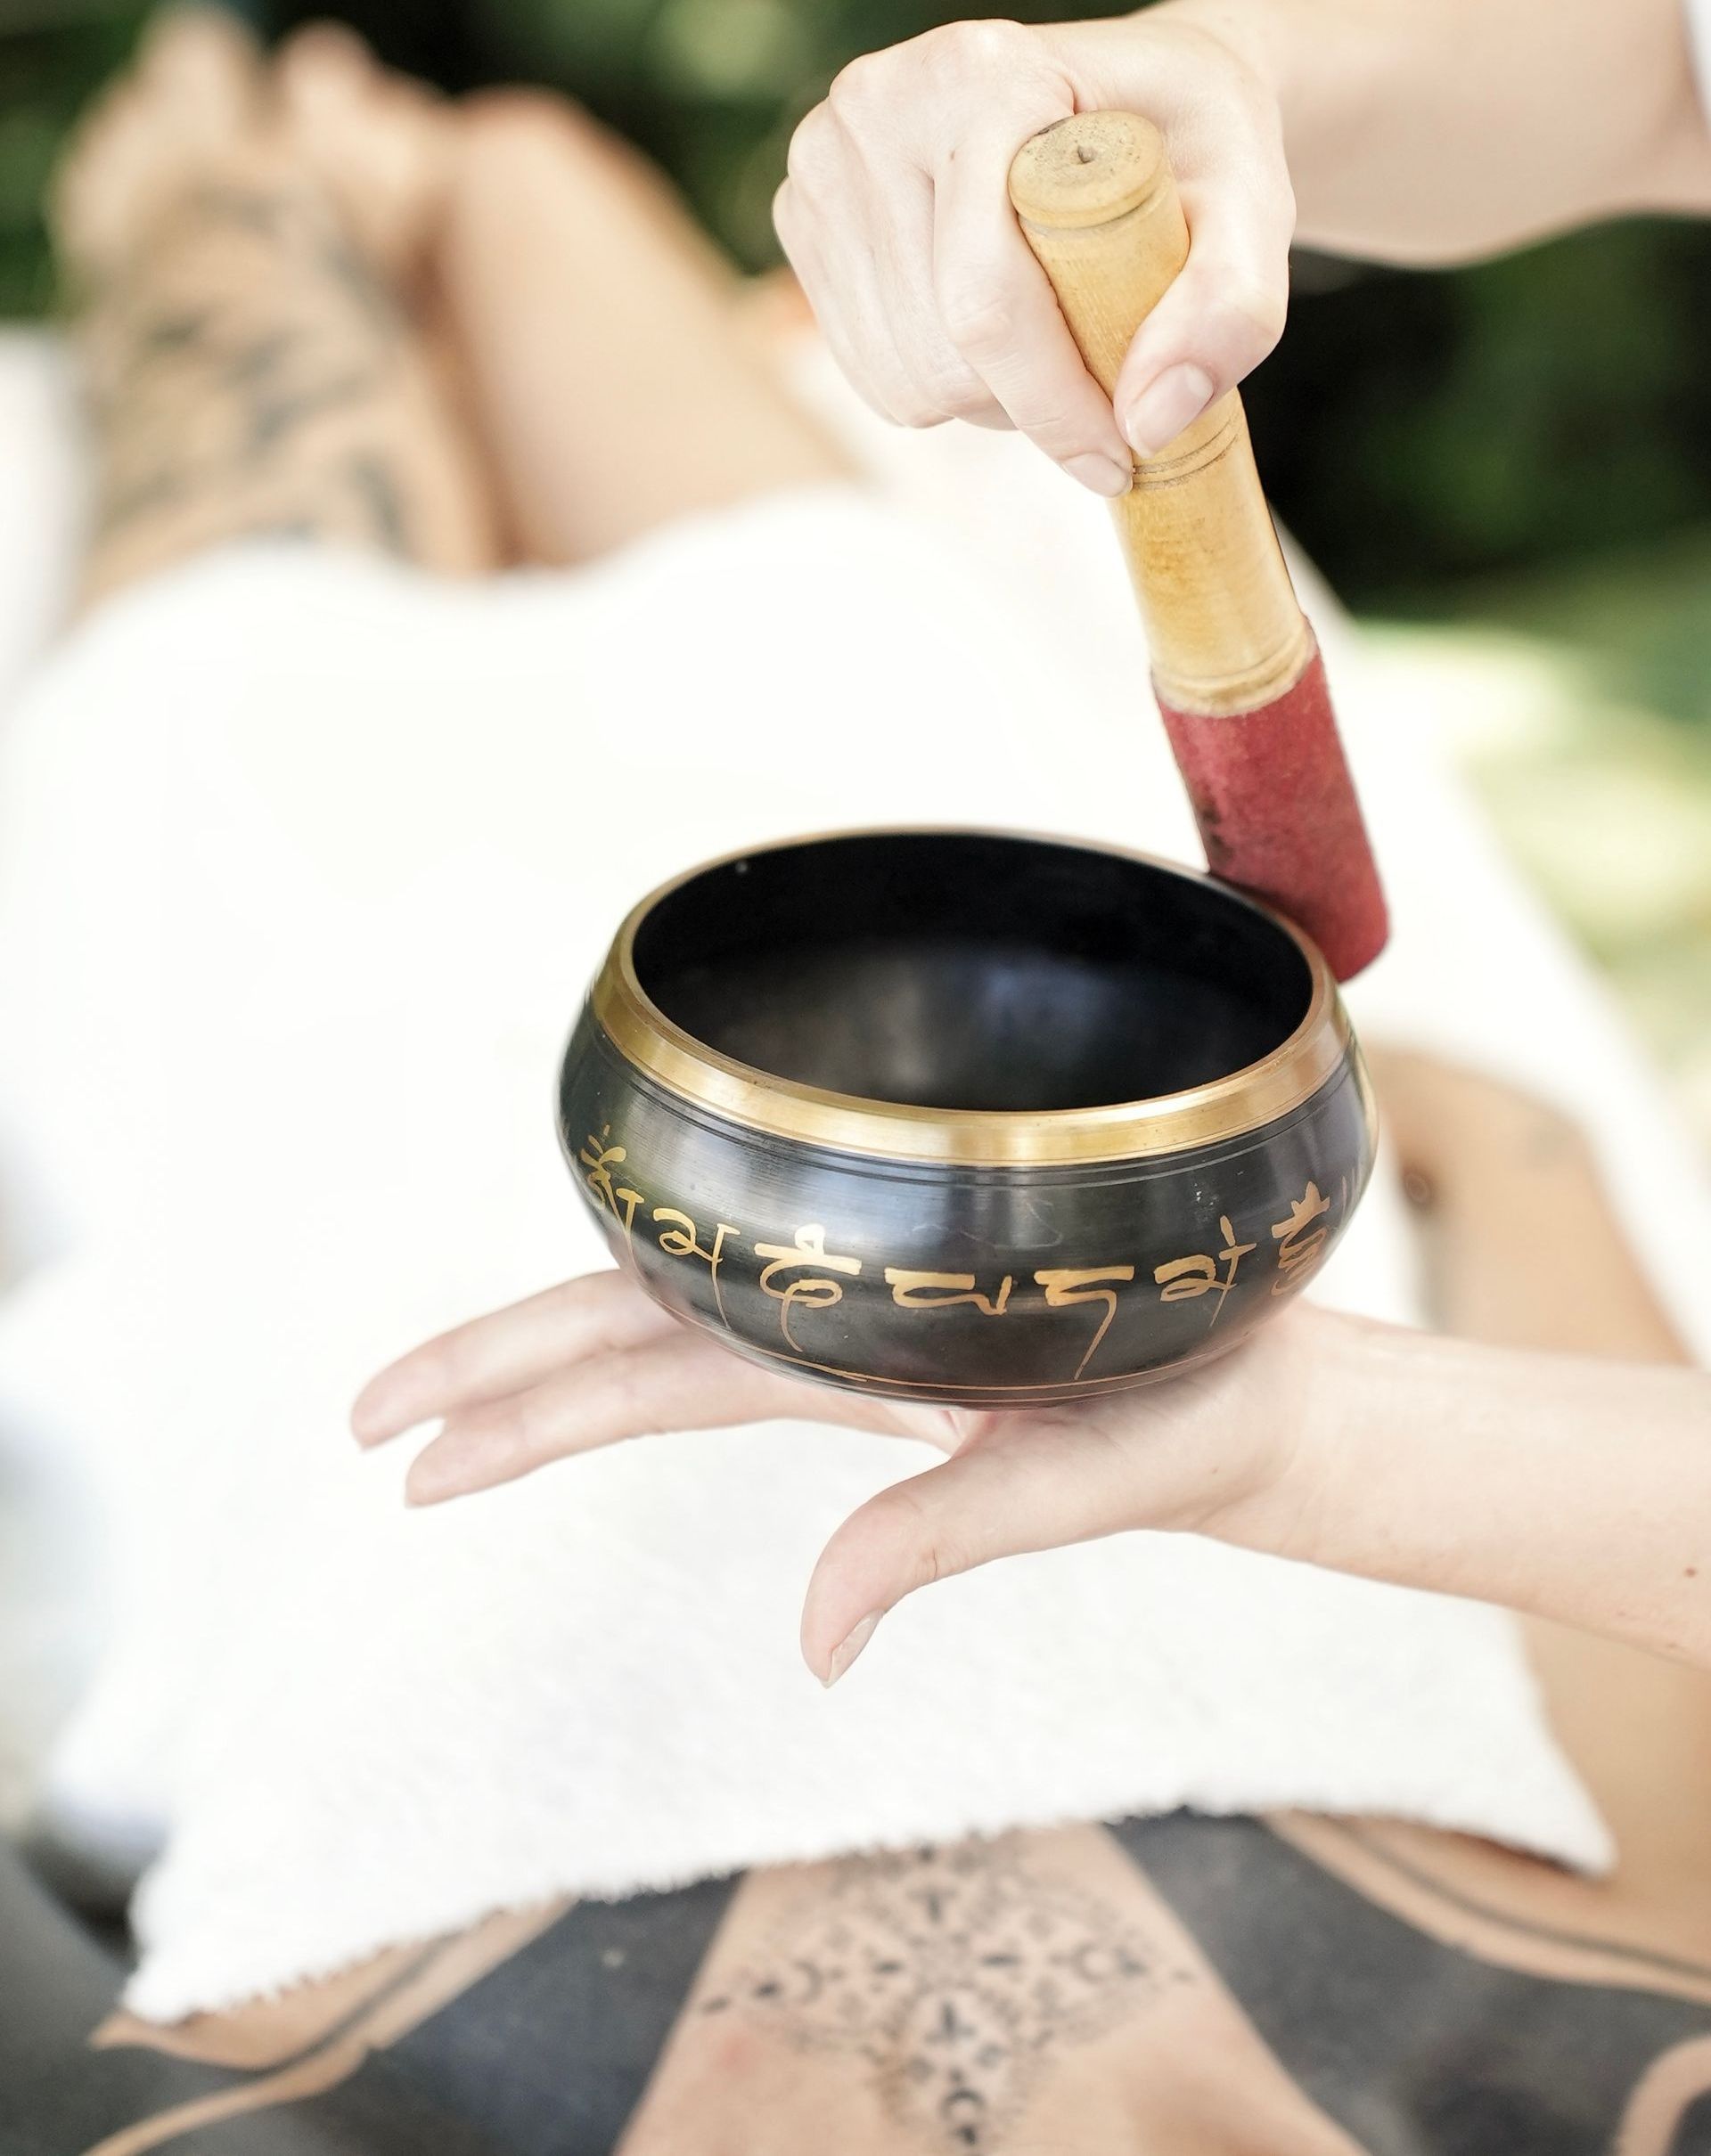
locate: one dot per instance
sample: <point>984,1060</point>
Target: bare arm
<point>1490,1461</point>
<point>1548,1450</point>
<point>1406,130</point>
<point>1434,130</point>
<point>1557,1485</point>
<point>1560,1485</point>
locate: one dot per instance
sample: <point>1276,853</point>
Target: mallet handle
<point>1098,205</point>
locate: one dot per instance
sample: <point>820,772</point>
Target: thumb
<point>1017,1486</point>
<point>1220,318</point>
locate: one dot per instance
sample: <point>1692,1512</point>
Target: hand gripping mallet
<point>1238,675</point>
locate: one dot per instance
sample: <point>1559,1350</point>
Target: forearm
<point>1435,130</point>
<point>1562,1486</point>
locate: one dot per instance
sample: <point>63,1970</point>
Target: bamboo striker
<point>1234,664</point>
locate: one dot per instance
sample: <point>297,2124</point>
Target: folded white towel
<point>303,864</point>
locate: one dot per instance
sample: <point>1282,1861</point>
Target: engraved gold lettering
<point>944,1291</point>
<point>600,1159</point>
<point>1297,1252</point>
<point>815,1292</point>
<point>1066,1285</point>
<point>1184,1278</point>
<point>680,1238</point>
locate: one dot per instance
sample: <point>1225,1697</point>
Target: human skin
<point>1563,1486</point>
<point>308,303</point>
<point>1165,2058</point>
<point>251,356</point>
<point>1420,131</point>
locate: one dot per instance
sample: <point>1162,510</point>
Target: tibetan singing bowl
<point>965,1117</point>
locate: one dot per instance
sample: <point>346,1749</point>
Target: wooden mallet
<point>1235,668</point>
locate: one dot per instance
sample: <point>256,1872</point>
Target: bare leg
<point>1526,1252</point>
<point>252,366</point>
<point>617,386</point>
<point>1522,1247</point>
<point>1059,1989</point>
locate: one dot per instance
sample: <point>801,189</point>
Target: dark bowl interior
<point>964,970</point>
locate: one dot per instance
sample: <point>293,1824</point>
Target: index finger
<point>507,1350</point>
<point>1001,312</point>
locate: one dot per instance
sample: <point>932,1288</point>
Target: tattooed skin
<point>1257,1998</point>
<point>961,1977</point>
<point>244,375</point>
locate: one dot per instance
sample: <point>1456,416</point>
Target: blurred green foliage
<point>1413,429</point>
<point>51,54</point>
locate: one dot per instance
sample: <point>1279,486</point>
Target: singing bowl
<point>965,1117</point>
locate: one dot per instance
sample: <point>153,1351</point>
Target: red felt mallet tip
<point>1235,668</point>
<point>1279,815</point>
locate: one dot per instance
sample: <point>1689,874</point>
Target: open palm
<point>594,1360</point>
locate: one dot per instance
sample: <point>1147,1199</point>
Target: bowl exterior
<point>965,1285</point>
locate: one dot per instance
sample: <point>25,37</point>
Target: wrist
<point>1259,34</point>
<point>1302,52</point>
<point>1260,1433</point>
<point>1321,1409</point>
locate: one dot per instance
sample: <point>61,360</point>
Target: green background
<point>1506,468</point>
<point>1414,429</point>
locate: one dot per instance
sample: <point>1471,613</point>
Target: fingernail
<point>846,1654</point>
<point>1159,414</point>
<point>1104,475</point>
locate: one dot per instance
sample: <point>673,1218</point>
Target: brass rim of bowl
<point>1245,1100</point>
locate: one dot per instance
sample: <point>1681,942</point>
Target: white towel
<point>303,863</point>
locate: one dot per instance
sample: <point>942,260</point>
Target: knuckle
<point>1249,315</point>
<point>952,390</point>
<point>812,151</point>
<point>858,90</point>
<point>634,1410</point>
<point>984,47</point>
<point>937,1557</point>
<point>1055,431</point>
<point>894,391</point>
<point>977,319</point>
<point>919,1533</point>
